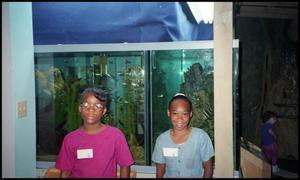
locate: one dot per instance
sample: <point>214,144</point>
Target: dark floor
<point>288,165</point>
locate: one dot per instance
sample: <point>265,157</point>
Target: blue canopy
<point>114,22</point>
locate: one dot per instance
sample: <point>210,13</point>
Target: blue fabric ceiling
<point>114,22</point>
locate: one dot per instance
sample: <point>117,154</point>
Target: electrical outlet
<point>22,109</point>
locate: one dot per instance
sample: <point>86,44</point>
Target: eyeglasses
<point>87,105</point>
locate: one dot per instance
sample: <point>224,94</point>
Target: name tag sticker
<point>84,153</point>
<point>170,152</point>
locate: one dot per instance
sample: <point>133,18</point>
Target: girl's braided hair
<point>97,92</point>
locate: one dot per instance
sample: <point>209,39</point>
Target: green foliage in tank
<point>198,86</point>
<point>127,108</point>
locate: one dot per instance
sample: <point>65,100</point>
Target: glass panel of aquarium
<point>189,71</point>
<point>61,77</point>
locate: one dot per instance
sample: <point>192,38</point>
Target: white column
<point>223,102</point>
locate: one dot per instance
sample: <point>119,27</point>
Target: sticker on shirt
<point>170,152</point>
<point>84,153</point>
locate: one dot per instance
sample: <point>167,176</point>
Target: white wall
<point>8,136</point>
<point>18,134</point>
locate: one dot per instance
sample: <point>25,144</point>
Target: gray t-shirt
<point>183,160</point>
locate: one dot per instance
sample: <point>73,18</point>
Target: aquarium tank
<point>139,78</point>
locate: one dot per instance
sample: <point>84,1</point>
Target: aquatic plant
<point>198,86</point>
<point>73,120</point>
<point>127,108</point>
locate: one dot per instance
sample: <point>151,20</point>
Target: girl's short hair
<point>180,96</point>
<point>97,92</point>
<point>268,115</point>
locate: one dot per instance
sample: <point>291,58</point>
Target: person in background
<point>183,151</point>
<point>94,149</point>
<point>269,143</point>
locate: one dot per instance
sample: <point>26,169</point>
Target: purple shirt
<point>267,138</point>
<point>98,154</point>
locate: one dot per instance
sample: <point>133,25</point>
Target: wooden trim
<point>252,166</point>
<point>223,99</point>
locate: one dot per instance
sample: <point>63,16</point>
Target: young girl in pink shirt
<point>95,149</point>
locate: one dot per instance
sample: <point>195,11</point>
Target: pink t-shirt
<point>98,154</point>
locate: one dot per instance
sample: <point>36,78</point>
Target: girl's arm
<point>272,133</point>
<point>160,170</point>
<point>125,172</point>
<point>65,174</point>
<point>208,169</point>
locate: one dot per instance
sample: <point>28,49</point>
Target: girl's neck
<point>180,137</point>
<point>182,132</point>
<point>93,128</point>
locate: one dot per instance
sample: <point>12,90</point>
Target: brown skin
<point>208,169</point>
<point>92,116</point>
<point>160,170</point>
<point>179,114</point>
<point>92,125</point>
<point>125,172</point>
<point>65,174</point>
